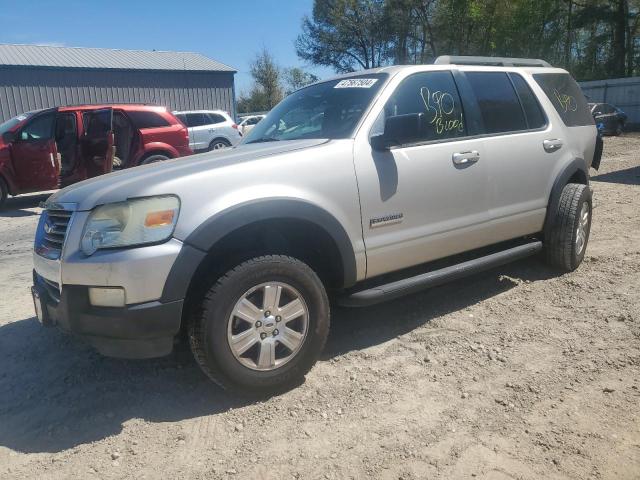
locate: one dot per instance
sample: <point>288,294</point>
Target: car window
<point>435,95</point>
<point>329,109</point>
<point>13,122</point>
<point>213,118</point>
<point>142,119</point>
<point>532,109</point>
<point>566,97</point>
<point>608,109</point>
<point>196,119</point>
<point>39,128</point>
<point>499,105</point>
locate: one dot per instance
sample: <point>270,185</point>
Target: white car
<point>210,129</point>
<point>248,123</point>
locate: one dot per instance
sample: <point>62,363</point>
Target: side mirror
<point>9,137</point>
<point>399,130</point>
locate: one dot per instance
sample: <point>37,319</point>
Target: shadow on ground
<point>629,176</point>
<point>58,393</point>
<point>19,206</point>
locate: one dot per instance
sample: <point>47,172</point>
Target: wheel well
<point>297,238</point>
<point>225,140</point>
<point>579,177</point>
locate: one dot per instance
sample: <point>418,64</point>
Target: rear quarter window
<point>566,97</point>
<point>143,119</point>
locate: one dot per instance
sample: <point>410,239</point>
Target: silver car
<point>359,189</point>
<point>210,129</point>
<point>247,123</point>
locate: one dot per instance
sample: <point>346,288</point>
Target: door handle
<point>466,158</point>
<point>552,145</point>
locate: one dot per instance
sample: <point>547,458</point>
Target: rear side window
<point>435,95</point>
<point>532,109</point>
<point>196,119</point>
<point>498,102</point>
<point>567,98</point>
<point>143,119</point>
<point>215,118</point>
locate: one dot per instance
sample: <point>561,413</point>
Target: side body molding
<point>578,165</point>
<point>203,239</point>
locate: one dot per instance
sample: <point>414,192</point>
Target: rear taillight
<point>234,126</point>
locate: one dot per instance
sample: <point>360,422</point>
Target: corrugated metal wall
<point>24,89</point>
<point>620,92</point>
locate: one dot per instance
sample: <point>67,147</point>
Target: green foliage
<point>296,78</point>
<point>592,38</point>
<point>270,83</point>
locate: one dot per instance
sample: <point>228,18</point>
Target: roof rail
<point>490,61</point>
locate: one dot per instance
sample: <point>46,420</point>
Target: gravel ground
<point>515,373</point>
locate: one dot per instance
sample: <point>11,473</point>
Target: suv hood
<point>152,179</point>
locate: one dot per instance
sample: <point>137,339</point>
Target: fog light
<point>106,297</point>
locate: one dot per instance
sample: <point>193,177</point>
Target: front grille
<point>52,232</point>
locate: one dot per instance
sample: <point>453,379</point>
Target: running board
<point>406,286</point>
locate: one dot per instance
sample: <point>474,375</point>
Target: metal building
<point>34,77</point>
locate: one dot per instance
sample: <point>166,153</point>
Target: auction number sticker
<point>356,83</point>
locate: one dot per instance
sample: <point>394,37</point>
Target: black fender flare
<point>575,166</point>
<point>204,238</point>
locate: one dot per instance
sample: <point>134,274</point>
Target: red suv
<point>53,148</point>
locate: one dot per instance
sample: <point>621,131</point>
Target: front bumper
<point>143,330</point>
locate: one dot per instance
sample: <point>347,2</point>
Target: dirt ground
<point>516,373</point>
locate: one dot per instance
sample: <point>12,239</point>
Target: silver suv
<point>210,129</point>
<point>350,189</point>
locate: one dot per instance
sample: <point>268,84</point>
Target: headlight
<point>134,222</point>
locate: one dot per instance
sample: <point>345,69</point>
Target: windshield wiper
<point>262,140</point>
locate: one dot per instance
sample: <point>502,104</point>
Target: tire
<point>567,243</point>
<point>215,324</point>
<point>219,144</point>
<point>154,159</point>
<point>4,192</point>
<point>619,129</point>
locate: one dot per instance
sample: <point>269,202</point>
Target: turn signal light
<point>159,219</point>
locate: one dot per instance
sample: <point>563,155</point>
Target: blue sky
<point>231,31</point>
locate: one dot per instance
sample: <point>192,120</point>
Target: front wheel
<point>4,192</point>
<point>567,241</point>
<point>262,325</point>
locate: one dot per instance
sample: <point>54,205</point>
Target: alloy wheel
<point>268,326</point>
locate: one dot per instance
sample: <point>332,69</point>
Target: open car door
<point>34,155</point>
<point>97,141</point>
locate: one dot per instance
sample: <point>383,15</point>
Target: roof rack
<point>490,61</point>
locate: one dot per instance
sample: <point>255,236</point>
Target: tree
<point>296,78</point>
<point>345,35</point>
<point>266,91</point>
<point>591,38</point>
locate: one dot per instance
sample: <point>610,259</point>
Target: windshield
<point>325,110</point>
<point>12,122</point>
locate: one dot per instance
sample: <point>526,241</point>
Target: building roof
<point>105,58</point>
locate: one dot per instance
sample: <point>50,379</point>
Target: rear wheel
<point>262,325</point>
<point>619,129</point>
<point>567,241</point>
<point>219,144</point>
<point>154,159</point>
